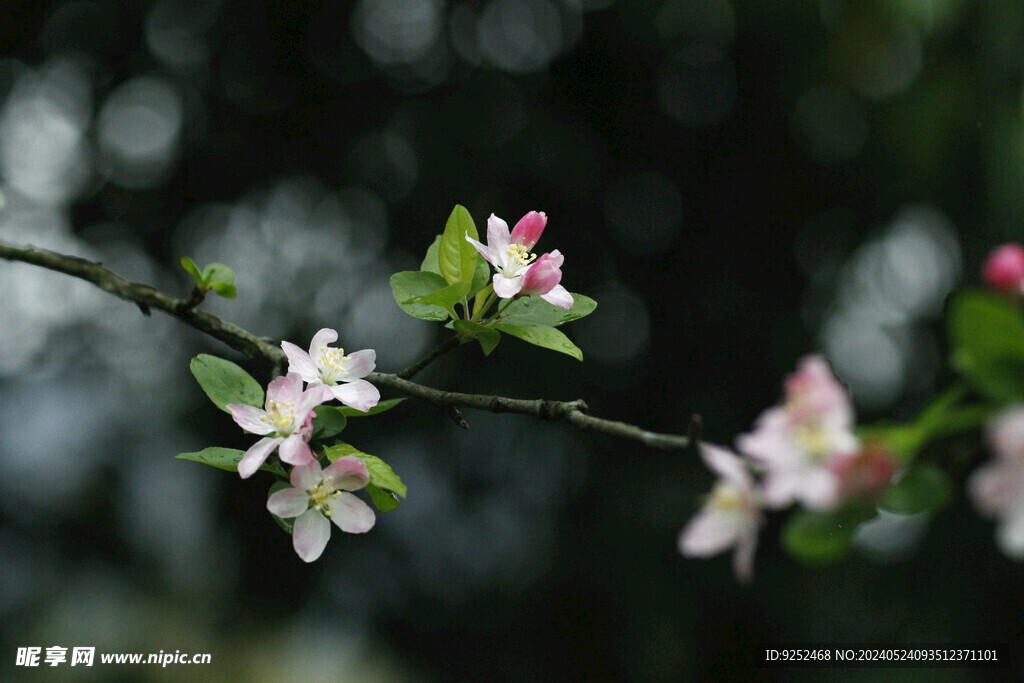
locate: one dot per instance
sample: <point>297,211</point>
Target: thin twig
<point>146,297</point>
<point>449,344</point>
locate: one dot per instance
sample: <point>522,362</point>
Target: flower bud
<point>1004,269</point>
<point>529,228</point>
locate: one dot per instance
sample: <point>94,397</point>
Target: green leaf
<point>193,270</point>
<point>381,475</point>
<point>457,258</point>
<point>227,459</point>
<point>329,421</point>
<point>447,297</point>
<point>542,335</point>
<point>218,272</point>
<point>384,501</point>
<point>987,335</point>
<point>924,487</point>
<point>481,278</point>
<point>285,524</point>
<point>408,287</point>
<point>430,261</point>
<point>821,538</point>
<point>487,336</point>
<point>377,409</point>
<point>224,382</point>
<point>533,310</point>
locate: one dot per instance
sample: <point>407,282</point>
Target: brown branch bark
<point>147,298</point>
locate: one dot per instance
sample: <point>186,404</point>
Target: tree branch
<point>146,297</point>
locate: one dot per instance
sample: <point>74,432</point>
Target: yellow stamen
<point>521,254</point>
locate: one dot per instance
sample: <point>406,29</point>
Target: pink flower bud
<point>1004,269</point>
<point>543,275</point>
<point>529,228</point>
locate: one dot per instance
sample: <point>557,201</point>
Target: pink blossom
<point>318,495</point>
<point>285,423</point>
<point>864,474</point>
<point>510,255</point>
<point>342,374</point>
<point>542,279</point>
<point>799,441</point>
<point>731,516</point>
<point>1004,268</point>
<point>997,488</point>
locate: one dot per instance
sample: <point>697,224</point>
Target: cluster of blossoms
<point>521,273</point>
<point>806,452</point>
<point>997,488</point>
<point>286,425</point>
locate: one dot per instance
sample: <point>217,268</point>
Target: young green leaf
<point>383,500</point>
<point>544,336</point>
<point>190,266</point>
<point>487,336</point>
<point>381,407</point>
<point>410,286</point>
<point>987,336</point>
<point>817,538</point>
<point>533,310</point>
<point>227,459</point>
<point>924,487</point>
<point>457,258</point>
<point>329,421</point>
<point>224,382</point>
<point>430,261</point>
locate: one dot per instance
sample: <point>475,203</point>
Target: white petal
<point>709,533</point>
<point>348,473</point>
<point>350,514</point>
<point>506,287</point>
<point>286,389</point>
<point>295,451</point>
<point>300,362</point>
<point>310,534</point>
<point>498,235</point>
<point>359,394</point>
<point>819,489</point>
<point>727,465</point>
<point>558,296</point>
<point>257,455</point>
<point>287,503</point>
<point>360,364</point>
<point>321,339</point>
<point>307,476</point>
<point>485,251</point>
<point>248,418</point>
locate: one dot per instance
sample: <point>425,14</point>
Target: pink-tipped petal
<point>484,250</point>
<point>310,534</point>
<point>359,394</point>
<point>498,236</point>
<point>288,503</point>
<point>295,451</point>
<point>351,515</point>
<point>529,228</point>
<point>507,287</point>
<point>348,473</point>
<point>307,476</point>
<point>559,296</point>
<point>248,418</point>
<point>286,389</point>
<point>300,362</point>
<point>257,455</point>
<point>541,276</point>
<point>322,338</point>
<point>360,364</point>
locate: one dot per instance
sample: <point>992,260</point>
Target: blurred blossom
<point>697,86</point>
<point>520,36</point>
<point>175,32</point>
<point>44,153</point>
<point>644,212</point>
<point>139,130</point>
<point>829,125</point>
<point>397,31</point>
<point>874,333</point>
